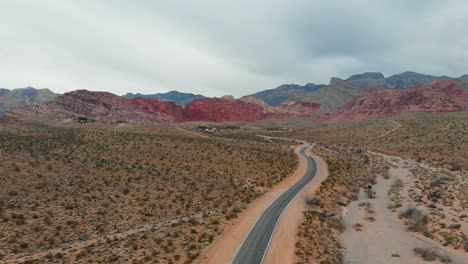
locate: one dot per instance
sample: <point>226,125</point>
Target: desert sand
<point>385,240</point>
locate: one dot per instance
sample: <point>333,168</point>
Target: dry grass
<point>103,190</point>
<point>435,138</point>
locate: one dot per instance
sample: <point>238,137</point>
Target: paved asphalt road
<point>255,245</point>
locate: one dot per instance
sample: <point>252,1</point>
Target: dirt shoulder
<point>283,244</point>
<point>226,245</point>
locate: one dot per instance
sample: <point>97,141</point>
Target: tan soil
<point>226,245</point>
<point>283,244</point>
<point>380,239</point>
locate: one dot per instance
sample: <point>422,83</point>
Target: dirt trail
<point>280,138</point>
<point>189,131</point>
<point>397,126</point>
<point>282,249</point>
<point>385,240</point>
<point>226,245</point>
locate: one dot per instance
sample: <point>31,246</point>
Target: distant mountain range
<point>172,96</point>
<point>339,91</point>
<point>284,92</point>
<point>3,90</point>
<point>366,95</point>
<point>400,81</point>
<point>109,107</point>
<point>24,96</point>
<point>434,97</point>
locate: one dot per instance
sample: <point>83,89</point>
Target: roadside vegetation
<point>430,254</point>
<point>350,170</point>
<point>136,193</point>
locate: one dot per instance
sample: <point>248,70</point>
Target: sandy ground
<point>386,236</point>
<point>226,245</point>
<point>283,244</point>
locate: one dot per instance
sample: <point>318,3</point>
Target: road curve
<point>255,246</point>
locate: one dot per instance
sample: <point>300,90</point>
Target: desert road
<point>255,246</point>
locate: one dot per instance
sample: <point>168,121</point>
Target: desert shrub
<point>313,201</point>
<point>429,254</point>
<point>398,183</point>
<point>454,166</point>
<point>416,220</point>
<point>465,243</point>
<point>337,223</point>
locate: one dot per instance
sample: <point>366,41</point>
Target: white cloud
<point>223,47</point>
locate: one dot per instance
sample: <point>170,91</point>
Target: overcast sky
<point>218,47</point>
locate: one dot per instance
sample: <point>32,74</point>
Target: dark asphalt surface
<point>256,243</point>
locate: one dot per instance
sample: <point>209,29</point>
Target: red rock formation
<point>109,107</point>
<point>102,106</point>
<point>453,90</point>
<point>437,96</point>
<point>299,109</point>
<point>222,110</point>
<point>156,107</point>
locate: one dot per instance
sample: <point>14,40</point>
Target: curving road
<point>255,246</point>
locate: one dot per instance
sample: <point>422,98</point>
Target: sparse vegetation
<point>416,221</point>
<point>431,254</point>
<point>435,138</point>
<point>132,193</point>
<point>350,171</point>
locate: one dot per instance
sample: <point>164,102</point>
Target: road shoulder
<point>283,244</point>
<point>226,245</point>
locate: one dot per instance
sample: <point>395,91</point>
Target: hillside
<point>23,96</point>
<point>369,80</point>
<point>108,107</point>
<point>284,92</point>
<point>102,106</point>
<point>408,79</point>
<point>179,98</point>
<point>331,97</point>
<point>438,96</point>
<point>222,110</point>
<point>401,80</point>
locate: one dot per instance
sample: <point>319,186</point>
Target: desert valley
<point>93,177</point>
<point>234,132</point>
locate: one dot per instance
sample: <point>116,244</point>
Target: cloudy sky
<point>218,47</point>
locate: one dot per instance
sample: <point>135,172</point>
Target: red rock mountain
<point>102,106</point>
<point>437,96</point>
<point>298,109</point>
<point>222,110</point>
<point>108,107</point>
